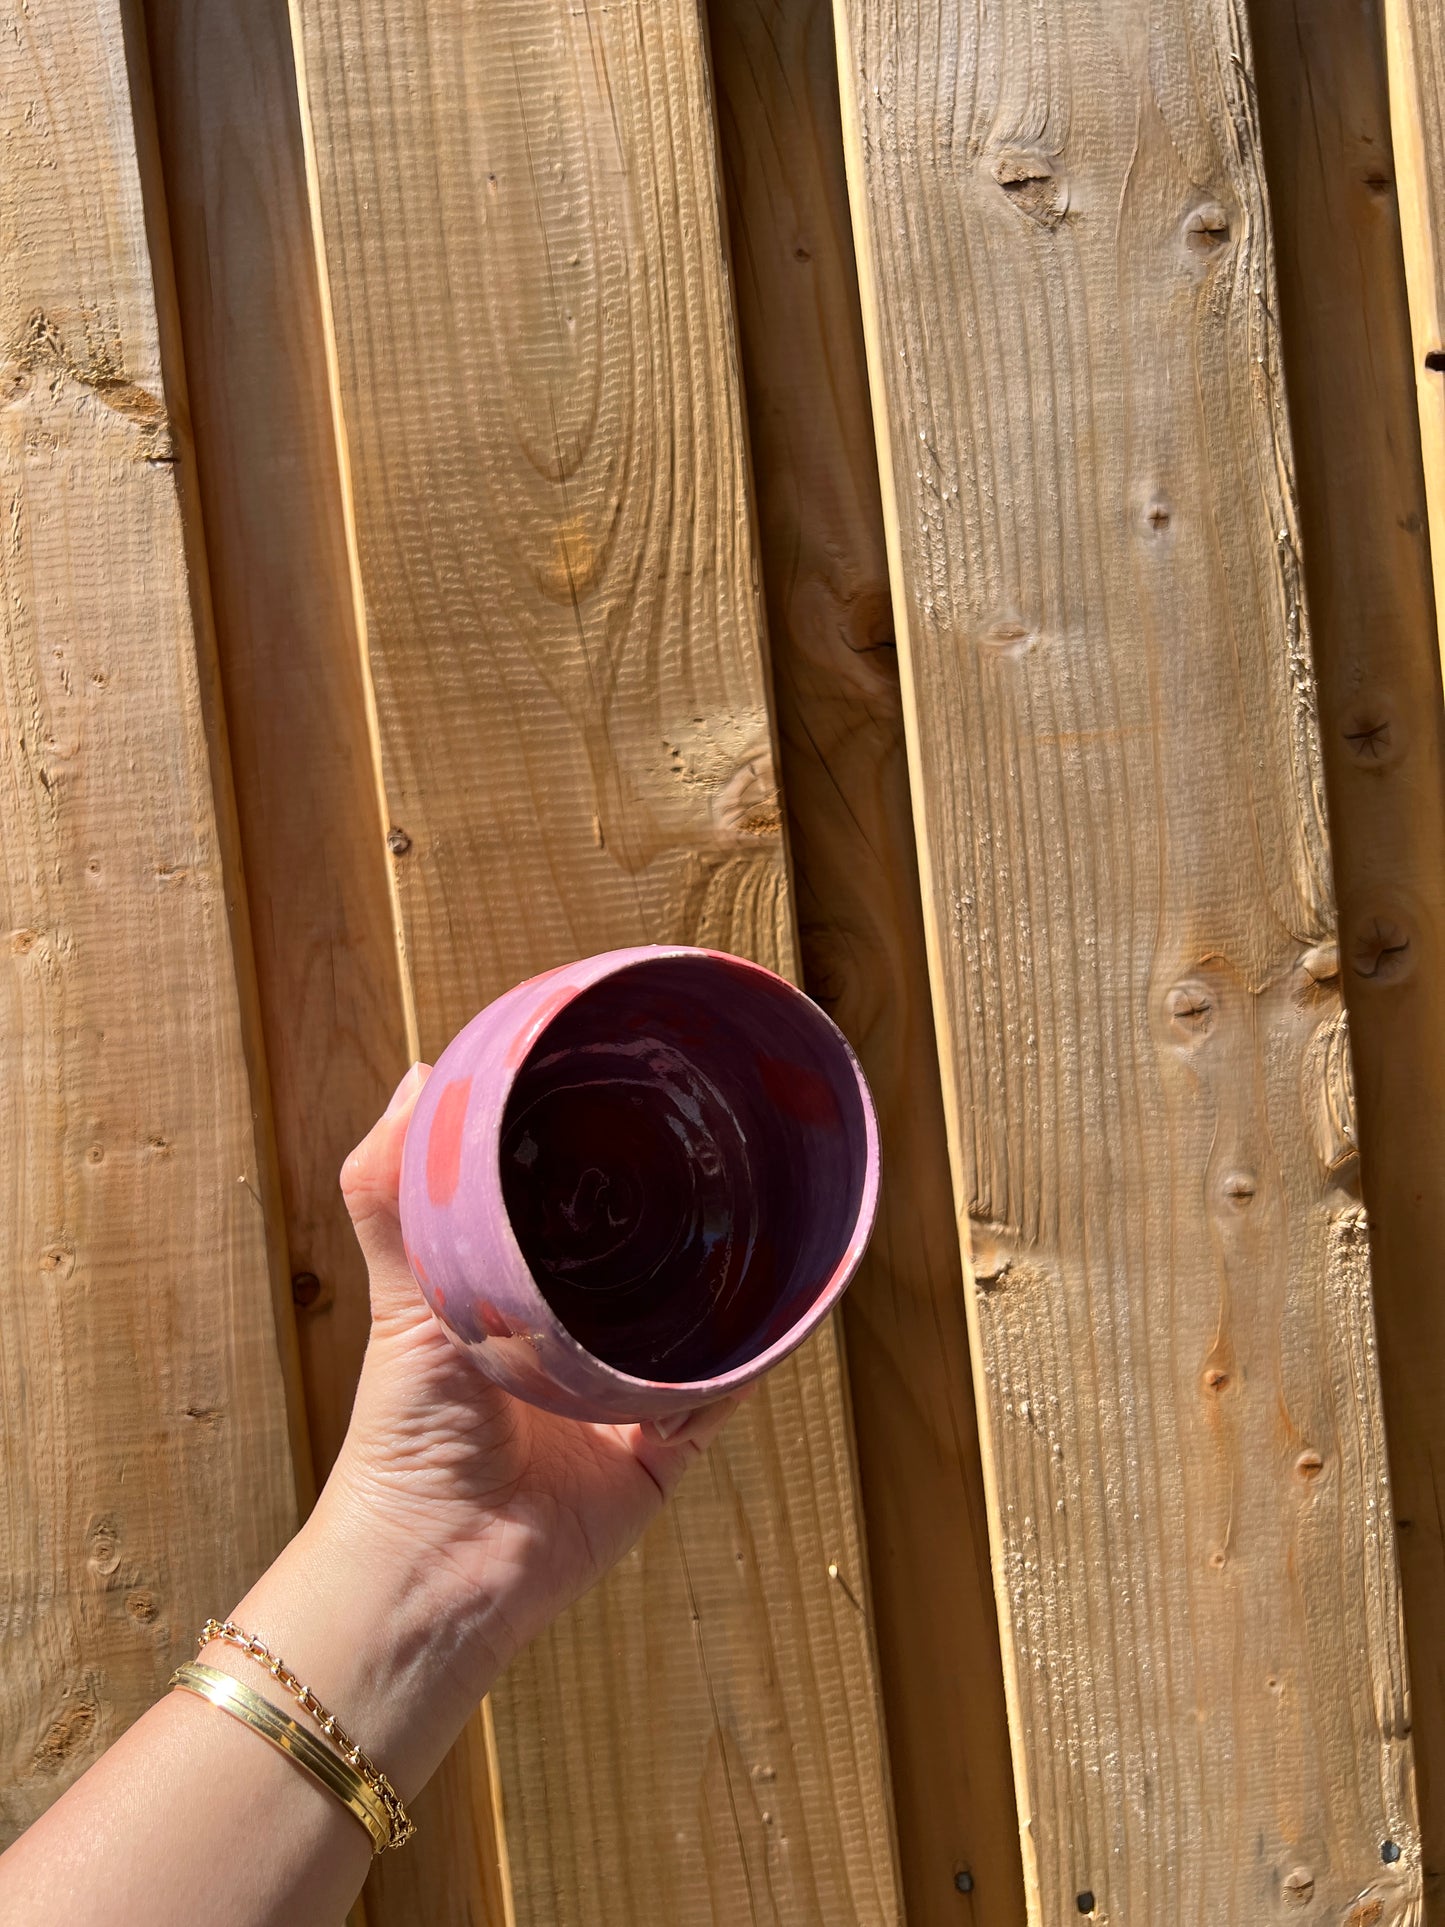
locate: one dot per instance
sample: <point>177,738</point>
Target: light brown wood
<point>291,667</point>
<point>844,769</point>
<point>1067,276</point>
<point>1324,112</point>
<point>1415,43</point>
<point>301,746</point>
<point>518,214</point>
<point>148,1473</point>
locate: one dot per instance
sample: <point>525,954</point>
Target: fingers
<point>702,1424</point>
<point>667,1447</point>
<point>370,1179</point>
<point>371,1175</point>
<point>696,1427</point>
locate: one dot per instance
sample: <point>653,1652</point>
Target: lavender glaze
<point>634,1184</point>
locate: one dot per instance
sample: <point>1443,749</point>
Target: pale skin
<point>455,1525</point>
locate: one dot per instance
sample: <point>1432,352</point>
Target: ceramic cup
<point>632,1185</point>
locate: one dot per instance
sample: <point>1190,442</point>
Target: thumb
<point>370,1181</point>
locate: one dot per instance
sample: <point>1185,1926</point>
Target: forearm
<point>192,1817</point>
<point>456,1524</point>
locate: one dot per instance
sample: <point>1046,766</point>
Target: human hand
<point>455,1524</point>
<point>514,1510</point>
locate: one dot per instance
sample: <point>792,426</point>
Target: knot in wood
<point>1371,734</point>
<point>305,1289</point>
<point>1380,950</point>
<point>1007,637</point>
<point>1298,1886</point>
<point>748,806</point>
<point>1189,1010</point>
<point>103,1545</point>
<point>1321,963</point>
<point>1206,228</point>
<point>1156,516</point>
<point>1031,186</point>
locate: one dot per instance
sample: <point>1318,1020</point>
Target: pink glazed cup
<point>632,1185</point>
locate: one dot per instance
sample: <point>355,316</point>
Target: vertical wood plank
<point>302,749</point>
<point>844,770</point>
<point>1415,40</point>
<point>518,215</point>
<point>1344,316</point>
<point>148,1474</point>
<point>301,745</point>
<point>1067,274</point>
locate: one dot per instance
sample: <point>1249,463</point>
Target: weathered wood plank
<point>518,212</point>
<point>148,1474</point>
<point>845,778</point>
<point>1068,291</point>
<point>1415,43</point>
<point>1324,113</point>
<point>301,746</point>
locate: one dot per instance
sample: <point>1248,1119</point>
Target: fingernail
<point>666,1427</point>
<point>403,1089</point>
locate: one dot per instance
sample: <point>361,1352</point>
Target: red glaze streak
<point>444,1146</point>
<point>798,1092</point>
<point>523,1042</point>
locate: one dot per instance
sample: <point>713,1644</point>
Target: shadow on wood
<point>845,777</point>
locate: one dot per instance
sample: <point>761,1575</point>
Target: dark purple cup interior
<point>684,1153</point>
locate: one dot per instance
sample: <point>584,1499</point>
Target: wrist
<point>363,1617</point>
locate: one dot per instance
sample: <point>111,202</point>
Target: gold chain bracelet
<point>401,1823</point>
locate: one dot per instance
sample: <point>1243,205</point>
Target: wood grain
<point>518,212</point>
<point>148,1474</point>
<point>844,770</point>
<point>1324,112</point>
<point>1415,43</point>
<point>1066,263</point>
<point>301,746</point>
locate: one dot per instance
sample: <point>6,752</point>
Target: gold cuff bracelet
<point>292,1739</point>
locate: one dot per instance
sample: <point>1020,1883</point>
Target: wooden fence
<point>457,455</point>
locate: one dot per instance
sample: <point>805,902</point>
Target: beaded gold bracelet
<point>401,1826</point>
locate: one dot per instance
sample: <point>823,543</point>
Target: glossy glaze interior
<point>683,1156</point>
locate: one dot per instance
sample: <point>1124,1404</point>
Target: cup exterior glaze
<point>460,1242</point>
